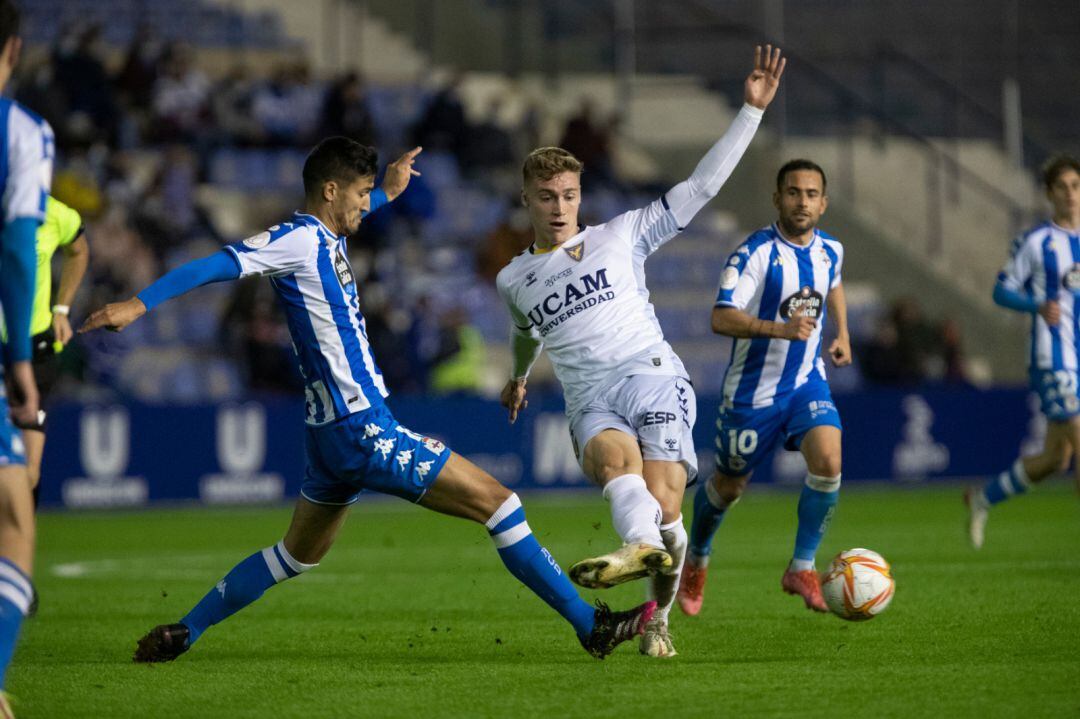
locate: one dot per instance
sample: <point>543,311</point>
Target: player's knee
<point>729,489</point>
<point>826,464</point>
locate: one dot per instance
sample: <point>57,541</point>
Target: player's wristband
<point>64,310</point>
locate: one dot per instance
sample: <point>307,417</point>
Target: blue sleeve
<point>378,199</point>
<point>218,267</point>
<point>1013,300</point>
<point>18,267</point>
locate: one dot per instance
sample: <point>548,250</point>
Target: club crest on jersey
<point>807,300</point>
<point>344,272</point>
<point>577,251</point>
<point>825,257</point>
<point>1071,280</point>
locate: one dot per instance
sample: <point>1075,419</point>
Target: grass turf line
<point>412,614</point>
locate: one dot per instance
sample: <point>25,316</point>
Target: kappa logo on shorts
<point>371,430</point>
<point>384,446</point>
<point>423,468</point>
<point>404,457</point>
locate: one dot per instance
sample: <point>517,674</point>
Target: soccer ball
<point>858,585</point>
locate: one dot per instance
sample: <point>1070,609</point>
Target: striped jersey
<point>1045,263</point>
<point>26,158</point>
<point>770,278</point>
<point>309,269</point>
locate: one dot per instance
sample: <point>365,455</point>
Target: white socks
<point>662,586</point>
<point>635,513</point>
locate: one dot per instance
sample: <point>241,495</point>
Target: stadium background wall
<point>125,455</point>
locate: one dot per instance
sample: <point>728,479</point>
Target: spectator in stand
<point>139,73</point>
<point>345,111</point>
<point>253,328</point>
<point>181,97</point>
<point>80,72</point>
<point>590,141</point>
<point>489,148</point>
<point>231,106</point>
<point>509,239</point>
<point>462,354</point>
<point>442,125</point>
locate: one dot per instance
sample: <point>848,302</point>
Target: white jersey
<point>309,269</point>
<point>770,278</point>
<point>26,162</point>
<point>1045,264</point>
<point>587,302</point>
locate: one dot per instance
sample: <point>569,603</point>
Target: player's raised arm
<point>663,219</point>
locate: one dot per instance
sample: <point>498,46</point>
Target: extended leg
<point>311,533</point>
<point>666,482</point>
<point>711,502</point>
<point>16,558</point>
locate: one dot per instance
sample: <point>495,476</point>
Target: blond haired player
<point>580,292</point>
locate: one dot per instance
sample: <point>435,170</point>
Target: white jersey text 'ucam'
<point>587,302</point>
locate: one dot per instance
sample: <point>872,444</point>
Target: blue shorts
<point>12,450</point>
<point>1057,390</point>
<point>369,451</point>
<point>746,436</point>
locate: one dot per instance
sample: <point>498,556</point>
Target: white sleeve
<point>525,340</point>
<point>741,277</point>
<point>31,149</point>
<point>1018,269</point>
<point>839,267</point>
<point>652,226</point>
<point>280,251</point>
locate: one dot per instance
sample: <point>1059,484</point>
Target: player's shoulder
<point>830,242</point>
<point>764,237</point>
<point>290,232</point>
<point>22,121</point>
<point>1036,234</point>
<point>514,269</point>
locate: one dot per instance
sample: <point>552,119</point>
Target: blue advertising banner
<point>123,455</point>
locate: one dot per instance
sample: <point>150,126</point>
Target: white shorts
<point>659,410</point>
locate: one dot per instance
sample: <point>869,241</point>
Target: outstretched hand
<point>764,79</point>
<point>399,172</point>
<point>115,316</point>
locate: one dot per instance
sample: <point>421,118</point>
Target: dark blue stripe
<point>759,346</point>
<point>5,148</point>
<point>1050,264</point>
<point>516,517</point>
<point>339,310</point>
<point>1074,248</point>
<point>797,349</point>
<point>288,570</point>
<point>313,365</point>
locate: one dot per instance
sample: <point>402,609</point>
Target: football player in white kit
<point>580,292</point>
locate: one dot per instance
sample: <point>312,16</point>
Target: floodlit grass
<point>413,615</point>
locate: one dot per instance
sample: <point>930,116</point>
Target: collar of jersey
<point>534,250</point>
<point>312,221</point>
<point>780,236</point>
<point>1066,230</point>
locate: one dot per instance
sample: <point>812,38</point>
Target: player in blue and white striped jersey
<point>775,293</point>
<point>26,157</point>
<point>352,440</point>
<point>1042,278</point>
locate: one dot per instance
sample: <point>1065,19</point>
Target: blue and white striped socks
<point>245,583</point>
<point>15,597</point>
<point>534,566</point>
<point>1011,482</point>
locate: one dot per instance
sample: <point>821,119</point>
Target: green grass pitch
<point>413,615</point>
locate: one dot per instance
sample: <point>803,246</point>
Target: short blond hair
<point>544,163</point>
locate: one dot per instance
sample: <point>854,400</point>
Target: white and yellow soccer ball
<point>858,585</point>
